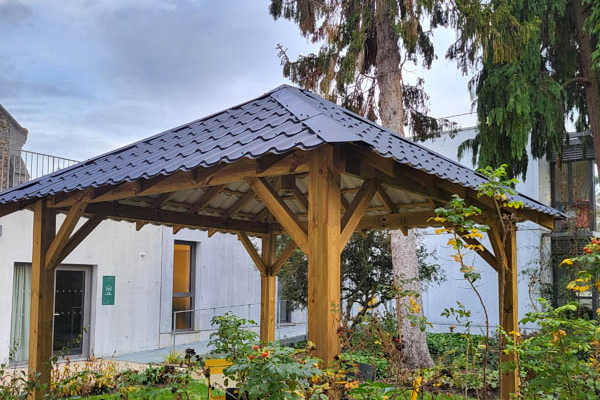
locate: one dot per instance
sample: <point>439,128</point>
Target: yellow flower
<point>515,333</point>
<point>440,231</point>
<point>416,386</point>
<point>567,261</point>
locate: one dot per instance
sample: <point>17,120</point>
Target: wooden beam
<point>159,202</point>
<point>485,253</point>
<point>236,207</point>
<point>258,261</point>
<point>201,203</point>
<point>404,220</point>
<point>221,174</point>
<point>64,233</point>
<point>281,211</point>
<point>206,198</point>
<point>357,209</point>
<point>42,297</point>
<point>79,236</point>
<point>283,257</point>
<point>167,217</point>
<point>367,164</point>
<point>269,160</point>
<point>145,184</point>
<point>300,199</point>
<point>268,294</point>
<point>412,180</point>
<point>10,208</point>
<point>398,221</point>
<point>324,253</point>
<point>509,315</point>
<point>385,199</point>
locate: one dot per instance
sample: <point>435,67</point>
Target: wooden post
<point>509,316</point>
<point>42,295</point>
<point>267,290</point>
<point>324,255</point>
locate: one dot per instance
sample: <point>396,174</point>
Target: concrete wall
<point>142,263</point>
<point>531,248</point>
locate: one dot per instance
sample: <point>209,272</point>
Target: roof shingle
<point>284,119</point>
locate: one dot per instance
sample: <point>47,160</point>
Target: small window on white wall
<point>183,285</point>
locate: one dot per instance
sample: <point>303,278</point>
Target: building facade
<point>533,251</point>
<point>121,291</point>
<point>569,184</point>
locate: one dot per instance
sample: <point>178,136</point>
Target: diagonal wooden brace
<point>288,220</point>
<point>356,210</point>
<point>64,233</point>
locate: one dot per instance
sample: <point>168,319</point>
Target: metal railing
<point>199,319</point>
<point>19,166</point>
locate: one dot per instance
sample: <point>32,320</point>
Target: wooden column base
<point>267,308</point>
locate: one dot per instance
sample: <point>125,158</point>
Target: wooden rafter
<point>64,233</point>
<point>235,208</point>
<point>258,261</point>
<point>269,160</point>
<point>7,209</point>
<point>167,217</point>
<point>145,184</point>
<point>355,212</point>
<point>159,202</point>
<point>220,174</point>
<point>300,198</point>
<point>281,211</point>
<point>201,203</point>
<point>385,199</point>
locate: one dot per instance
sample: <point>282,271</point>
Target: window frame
<point>192,293</point>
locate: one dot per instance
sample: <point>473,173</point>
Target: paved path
<point>286,334</point>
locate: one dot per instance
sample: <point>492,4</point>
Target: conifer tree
<point>537,66</point>
<point>364,45</point>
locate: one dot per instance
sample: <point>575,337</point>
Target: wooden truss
<point>321,226</point>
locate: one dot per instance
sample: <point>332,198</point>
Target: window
<point>183,286</point>
<point>573,192</point>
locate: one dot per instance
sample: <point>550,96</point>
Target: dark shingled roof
<point>283,119</point>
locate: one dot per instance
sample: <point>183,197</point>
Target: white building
<point>533,247</point>
<point>570,186</point>
<point>120,288</point>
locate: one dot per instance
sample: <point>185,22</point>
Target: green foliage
<point>197,391</point>
<point>562,361</point>
<point>376,359</point>
<point>592,25</point>
<point>528,82</point>
<point>230,339</point>
<point>345,67</point>
<point>586,269</point>
<point>445,347</point>
<point>174,357</point>
<point>367,275</point>
<point>277,373</point>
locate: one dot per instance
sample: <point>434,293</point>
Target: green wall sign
<point>108,290</point>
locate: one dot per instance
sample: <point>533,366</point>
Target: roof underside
<point>284,120</point>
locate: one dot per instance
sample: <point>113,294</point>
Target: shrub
<point>277,373</point>
<point>230,339</point>
<point>563,360</point>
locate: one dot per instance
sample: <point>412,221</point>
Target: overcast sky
<point>88,76</point>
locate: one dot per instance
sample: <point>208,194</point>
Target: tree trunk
<point>415,352</point>
<point>592,86</point>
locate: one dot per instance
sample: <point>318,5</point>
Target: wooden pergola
<point>288,162</point>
